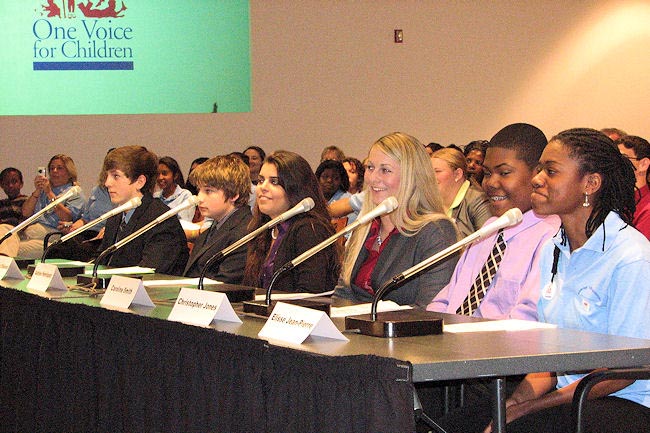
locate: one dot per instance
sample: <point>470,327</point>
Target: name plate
<point>124,291</point>
<point>46,276</point>
<point>294,324</point>
<point>200,307</point>
<point>9,269</point>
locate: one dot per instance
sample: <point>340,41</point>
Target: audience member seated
<point>475,154</point>
<point>637,150</point>
<point>224,186</point>
<point>189,185</point>
<point>594,278</point>
<point>464,202</point>
<point>171,186</point>
<point>334,183</point>
<point>433,147</point>
<point>256,157</point>
<point>284,180</point>
<point>614,133</point>
<point>62,176</point>
<point>397,165</point>
<point>11,208</point>
<point>512,292</point>
<point>332,152</point>
<point>131,171</point>
<point>355,170</point>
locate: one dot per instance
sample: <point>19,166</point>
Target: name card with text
<point>294,324</point>
<point>124,291</point>
<point>200,307</point>
<point>9,269</point>
<point>46,276</point>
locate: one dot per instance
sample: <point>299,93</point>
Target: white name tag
<point>9,269</point>
<point>124,291</point>
<point>46,276</point>
<point>200,307</point>
<point>294,324</point>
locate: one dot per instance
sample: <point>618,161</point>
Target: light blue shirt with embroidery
<point>600,287</point>
<point>177,198</point>
<point>50,218</point>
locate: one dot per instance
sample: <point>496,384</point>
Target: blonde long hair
<point>418,196</point>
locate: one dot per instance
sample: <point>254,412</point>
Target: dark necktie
<point>484,278</point>
<point>121,229</point>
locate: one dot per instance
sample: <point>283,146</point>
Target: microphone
<point>509,218</point>
<point>70,193</point>
<point>304,205</point>
<point>385,207</point>
<point>191,201</point>
<point>131,204</point>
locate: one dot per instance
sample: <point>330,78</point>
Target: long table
<point>66,363</point>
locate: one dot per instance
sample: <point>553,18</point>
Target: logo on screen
<point>82,36</point>
<point>88,9</point>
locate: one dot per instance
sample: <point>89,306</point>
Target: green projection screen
<point>124,56</point>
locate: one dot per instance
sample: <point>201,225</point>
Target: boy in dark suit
<point>224,187</point>
<point>131,171</point>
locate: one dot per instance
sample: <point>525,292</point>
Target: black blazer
<point>164,247</point>
<point>231,269</point>
<point>316,274</point>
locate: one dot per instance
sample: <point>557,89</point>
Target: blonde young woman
<point>464,202</point>
<point>398,166</point>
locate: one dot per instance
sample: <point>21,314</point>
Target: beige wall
<point>328,72</point>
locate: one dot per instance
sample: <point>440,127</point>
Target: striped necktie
<point>484,278</point>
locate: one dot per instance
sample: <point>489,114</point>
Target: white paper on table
<point>294,324</point>
<point>354,310</point>
<point>123,271</point>
<point>201,307</point>
<point>68,262</point>
<point>9,269</point>
<point>498,325</point>
<point>124,291</point>
<point>179,282</point>
<point>288,296</point>
<point>46,276</point>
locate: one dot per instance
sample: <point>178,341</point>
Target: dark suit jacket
<point>401,253</point>
<point>317,274</point>
<point>164,247</point>
<point>231,269</point>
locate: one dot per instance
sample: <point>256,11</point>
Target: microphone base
<point>234,292</point>
<point>261,309</point>
<point>23,263</point>
<point>100,282</point>
<point>403,323</point>
<point>66,271</point>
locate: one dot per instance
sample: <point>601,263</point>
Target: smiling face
<point>383,175</point>
<point>271,197</point>
<point>448,179</point>
<point>254,162</point>
<point>59,174</point>
<point>507,180</point>
<point>166,180</point>
<point>558,186</point>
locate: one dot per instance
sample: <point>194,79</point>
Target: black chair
<point>46,240</point>
<point>588,382</point>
